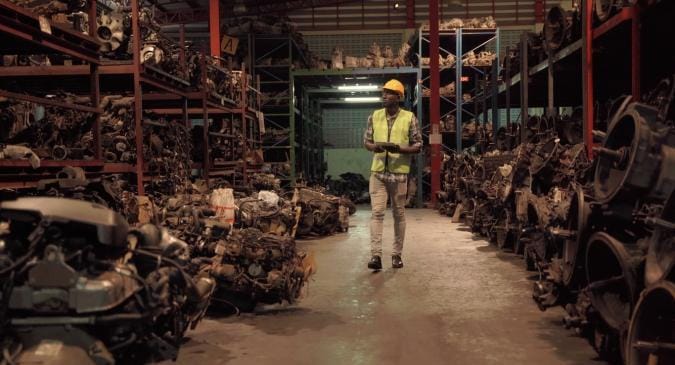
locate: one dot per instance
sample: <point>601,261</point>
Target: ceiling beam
<point>252,8</point>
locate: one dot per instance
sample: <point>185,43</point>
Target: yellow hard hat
<point>395,85</point>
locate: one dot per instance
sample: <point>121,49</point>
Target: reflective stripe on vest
<point>385,161</point>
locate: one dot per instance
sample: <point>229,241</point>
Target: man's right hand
<point>371,146</point>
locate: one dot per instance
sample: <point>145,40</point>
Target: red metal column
<point>214,27</point>
<point>539,11</point>
<point>434,102</point>
<point>587,74</point>
<point>410,13</point>
<point>635,53</point>
<point>138,98</point>
<point>95,91</point>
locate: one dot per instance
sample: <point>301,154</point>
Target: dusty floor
<point>456,301</point>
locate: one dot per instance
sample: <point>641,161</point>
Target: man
<point>393,135</point>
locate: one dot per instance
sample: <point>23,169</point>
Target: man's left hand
<point>394,148</point>
<point>408,150</point>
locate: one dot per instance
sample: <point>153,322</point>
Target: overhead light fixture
<point>358,87</point>
<point>363,99</point>
<point>396,5</point>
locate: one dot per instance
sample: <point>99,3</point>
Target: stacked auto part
<point>226,140</point>
<point>253,267</point>
<point>50,132</point>
<point>267,212</point>
<point>156,50</point>
<point>64,12</point>
<point>111,191</point>
<point>117,129</point>
<point>561,28</point>
<point>222,82</point>
<point>377,57</point>
<point>167,155</point>
<point>265,182</point>
<point>473,23</point>
<point>73,274</point>
<point>320,214</point>
<point>598,235</point>
<point>81,279</point>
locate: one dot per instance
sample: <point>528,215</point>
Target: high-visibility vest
<point>386,161</point>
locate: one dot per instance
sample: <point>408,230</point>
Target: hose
<point>125,343</point>
<point>187,278</point>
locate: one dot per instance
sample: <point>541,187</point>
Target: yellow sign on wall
<point>229,45</point>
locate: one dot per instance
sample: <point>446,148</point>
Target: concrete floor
<point>456,301</point>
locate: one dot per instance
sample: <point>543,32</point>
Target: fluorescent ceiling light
<point>363,99</point>
<point>358,87</point>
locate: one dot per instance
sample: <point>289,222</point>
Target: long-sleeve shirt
<point>414,136</point>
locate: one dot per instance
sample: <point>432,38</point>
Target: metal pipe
<point>214,27</point>
<point>434,102</point>
<point>587,74</point>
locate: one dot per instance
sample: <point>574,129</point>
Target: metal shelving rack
<point>457,42</point>
<point>279,111</point>
<point>558,77</point>
<point>153,90</point>
<point>310,148</point>
<point>210,106</point>
<point>23,32</point>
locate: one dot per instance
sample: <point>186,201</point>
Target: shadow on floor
<point>290,320</point>
<point>566,347</point>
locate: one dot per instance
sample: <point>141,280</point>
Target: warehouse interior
<point>210,181</point>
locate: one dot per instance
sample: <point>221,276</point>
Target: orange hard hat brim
<point>394,91</point>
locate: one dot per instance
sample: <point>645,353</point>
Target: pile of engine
<point>252,267</point>
<point>351,185</point>
<point>253,261</point>
<point>76,277</point>
<point>321,214</point>
<point>600,235</point>
<point>251,253</point>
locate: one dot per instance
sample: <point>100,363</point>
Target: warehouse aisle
<point>456,301</point>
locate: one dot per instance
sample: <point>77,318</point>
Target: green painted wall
<point>343,137</point>
<point>341,160</point>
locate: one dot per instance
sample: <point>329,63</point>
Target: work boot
<point>396,262</point>
<point>375,263</point>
